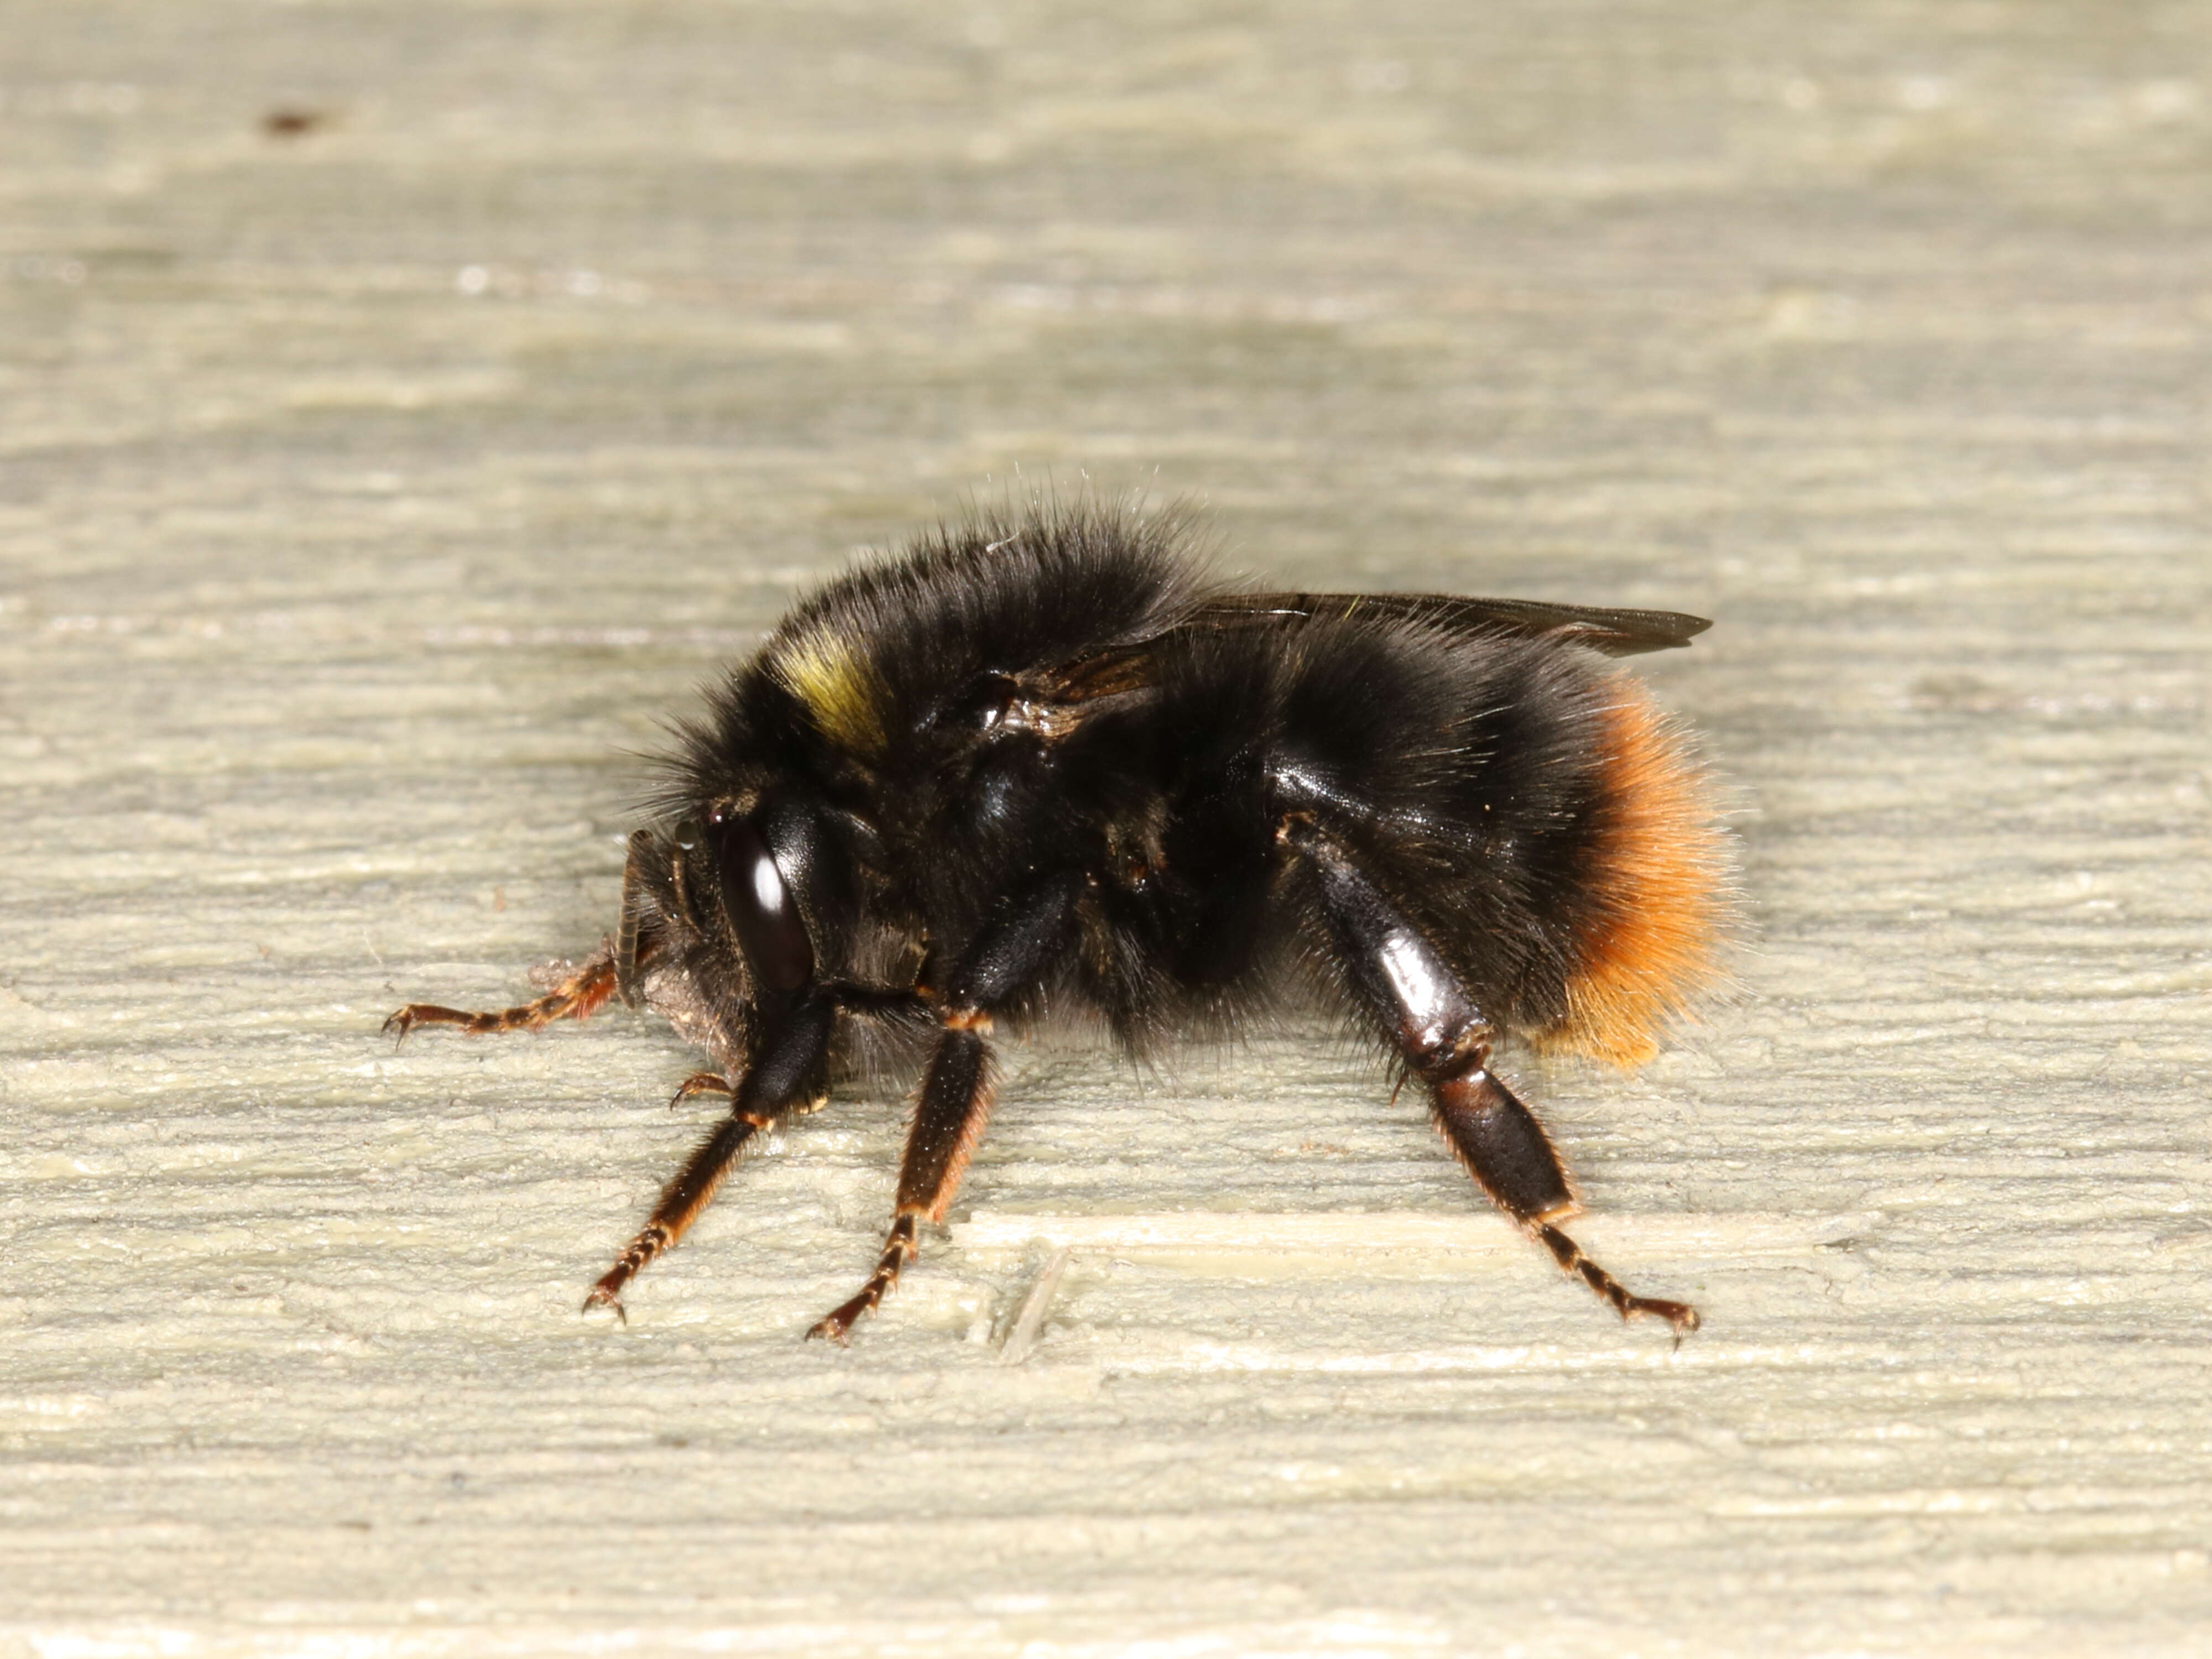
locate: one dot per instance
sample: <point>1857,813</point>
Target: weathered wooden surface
<point>365,493</point>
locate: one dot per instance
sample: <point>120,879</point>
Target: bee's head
<point>769,885</point>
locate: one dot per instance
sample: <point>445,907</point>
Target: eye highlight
<point>761,909</point>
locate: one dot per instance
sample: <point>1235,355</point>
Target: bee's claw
<point>701,1083</point>
<point>601,1297</point>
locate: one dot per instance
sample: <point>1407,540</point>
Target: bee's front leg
<point>577,997</point>
<point>611,970</point>
<point>788,1075</point>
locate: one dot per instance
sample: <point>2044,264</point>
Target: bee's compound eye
<point>762,912</point>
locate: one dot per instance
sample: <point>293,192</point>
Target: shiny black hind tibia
<point>1042,762</point>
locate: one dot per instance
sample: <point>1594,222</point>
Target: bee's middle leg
<point>957,1092</point>
<point>1020,946</point>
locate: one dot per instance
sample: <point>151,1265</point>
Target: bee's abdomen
<point>1530,807</point>
<point>1654,888</point>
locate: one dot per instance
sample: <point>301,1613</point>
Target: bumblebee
<point>1040,762</point>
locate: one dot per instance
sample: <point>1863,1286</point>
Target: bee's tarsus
<point>577,997</point>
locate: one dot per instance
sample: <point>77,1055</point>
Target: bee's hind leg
<point>1444,1042</point>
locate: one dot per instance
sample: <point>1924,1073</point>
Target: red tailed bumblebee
<point>1039,761</point>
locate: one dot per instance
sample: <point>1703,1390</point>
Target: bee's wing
<point>1061,696</point>
<point>1613,629</point>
